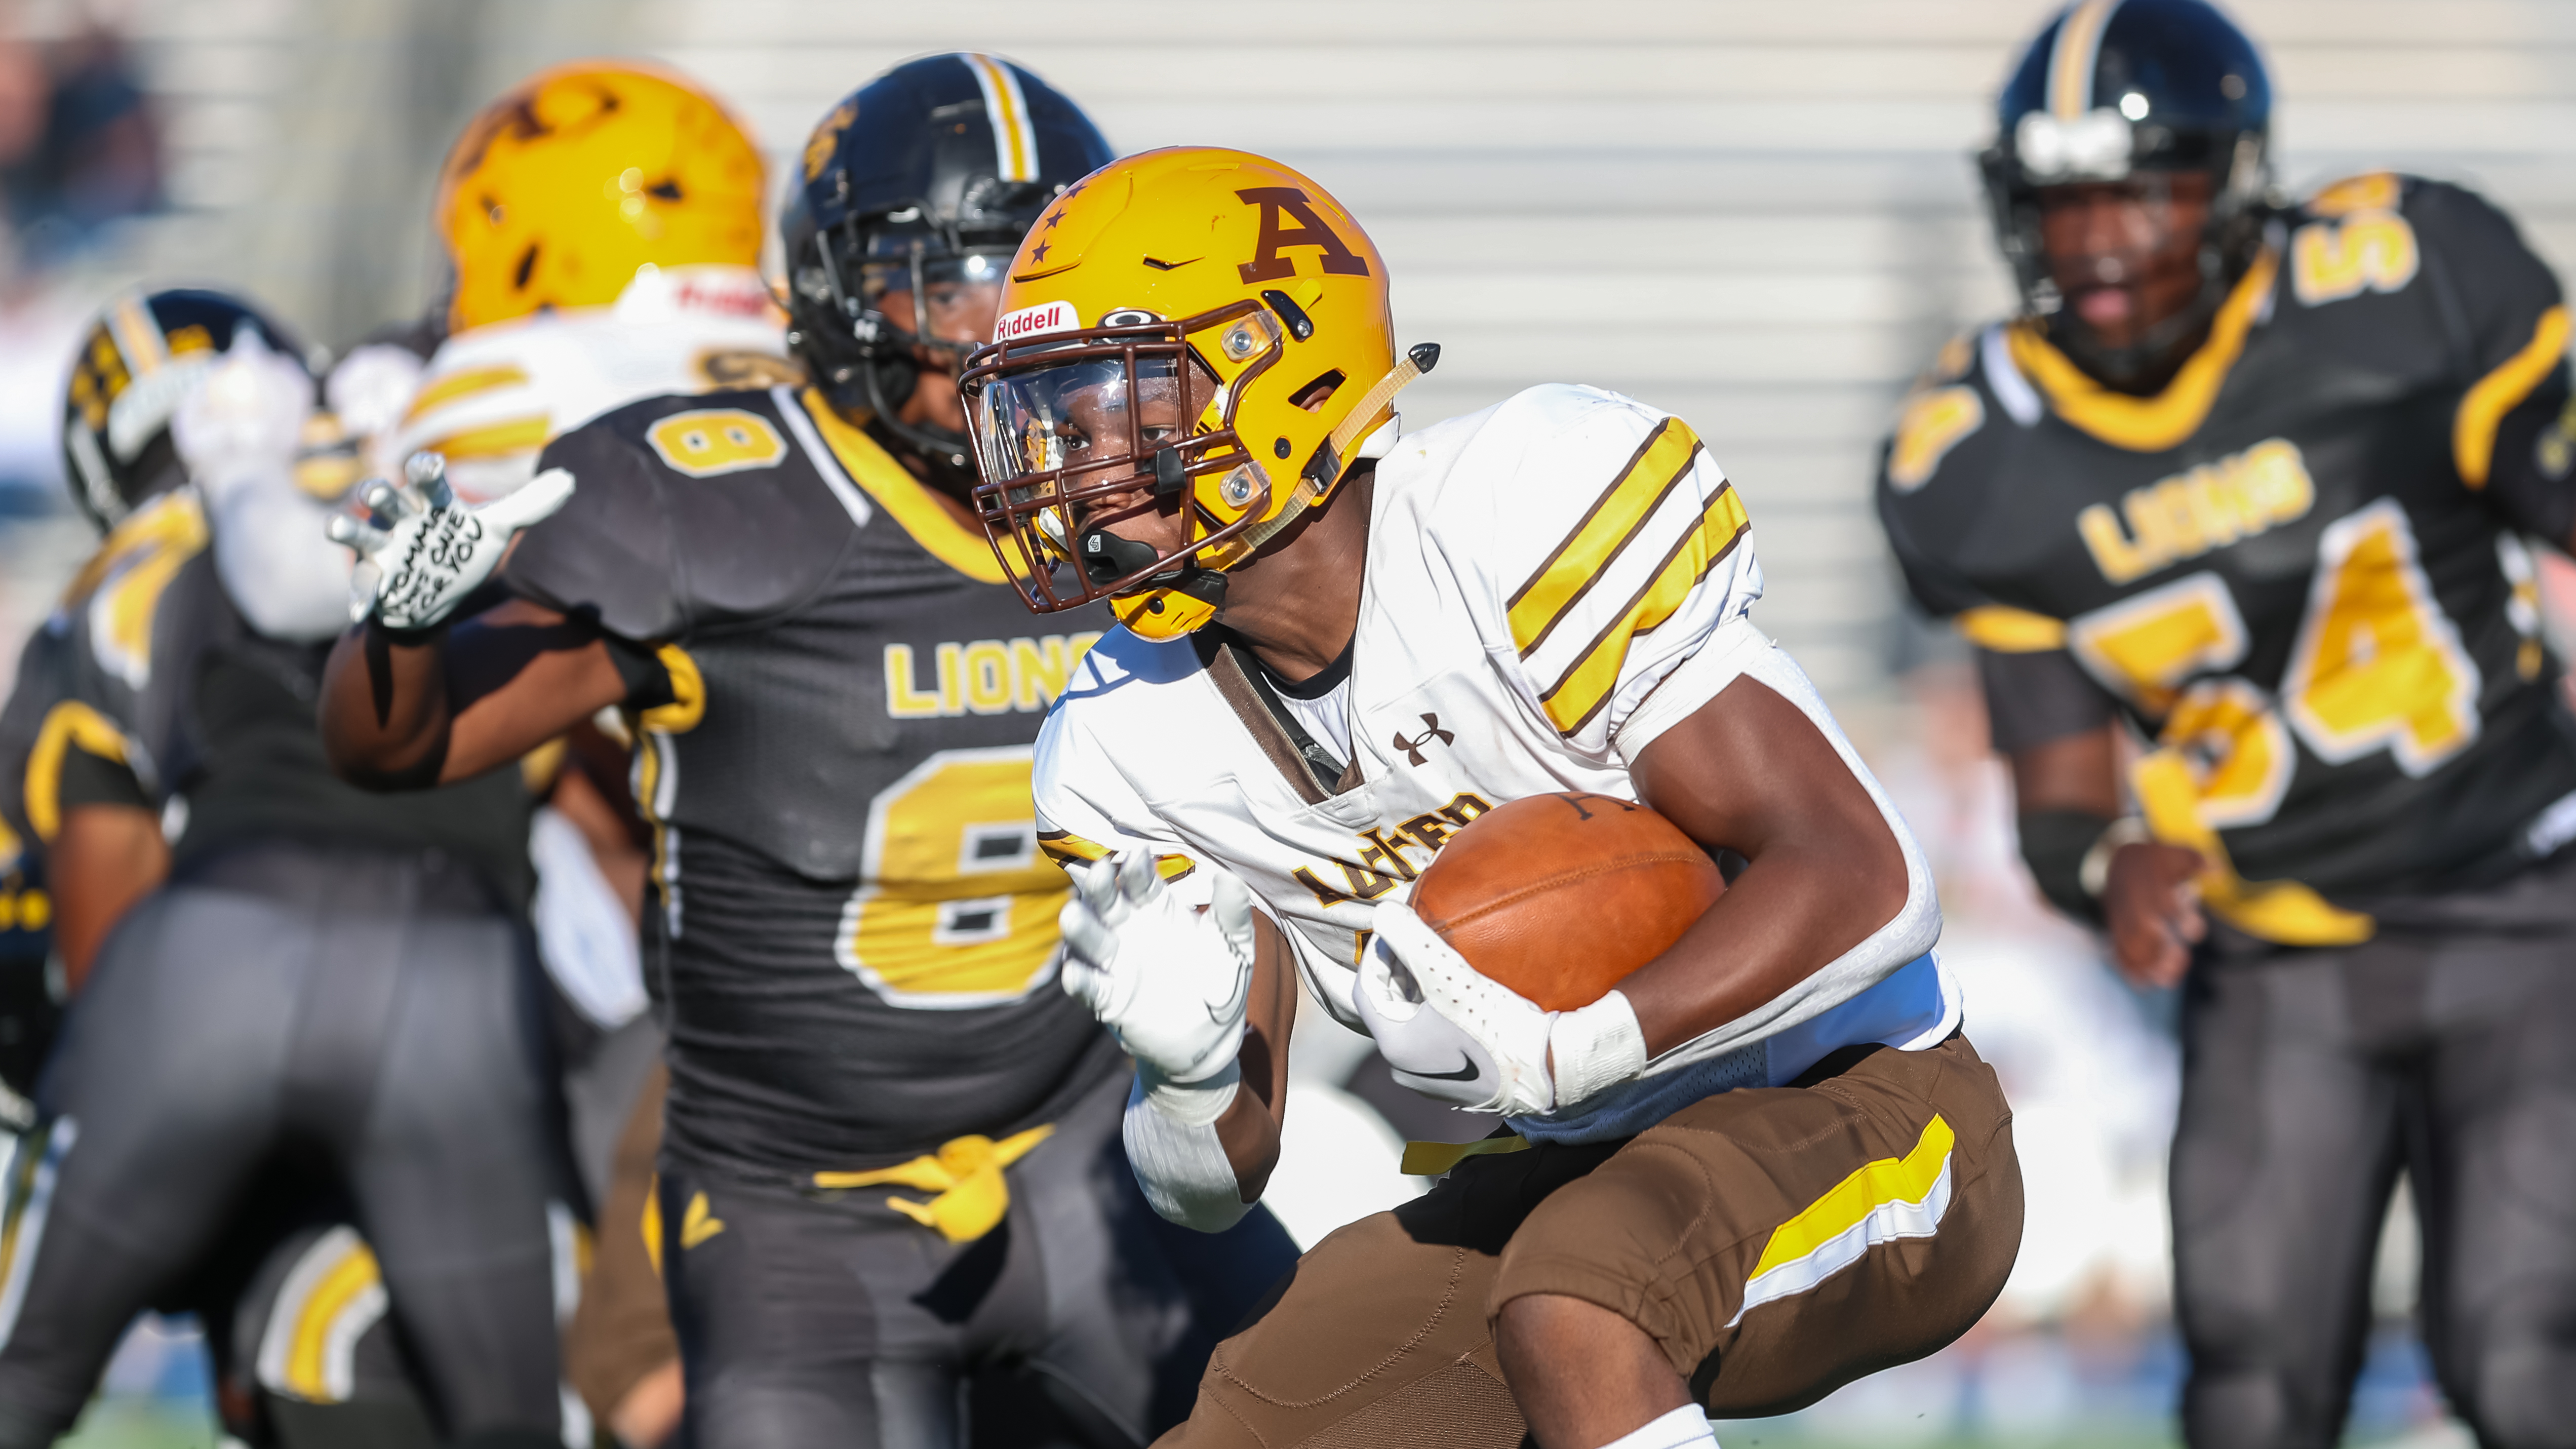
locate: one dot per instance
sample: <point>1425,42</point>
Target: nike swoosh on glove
<point>1426,1051</point>
<point>1594,1048</point>
<point>420,551</point>
<point>1170,982</point>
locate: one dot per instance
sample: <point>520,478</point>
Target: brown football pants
<point>622,1330</point>
<point>1777,1243</point>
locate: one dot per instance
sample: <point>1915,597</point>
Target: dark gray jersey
<point>855,929</point>
<point>154,691</point>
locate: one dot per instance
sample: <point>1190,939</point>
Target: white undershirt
<point>1327,719</point>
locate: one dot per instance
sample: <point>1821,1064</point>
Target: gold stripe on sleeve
<point>2005,630</point>
<point>68,724</point>
<point>1658,465</point>
<point>519,435</point>
<point>1586,687</point>
<point>2482,410</point>
<point>465,382</point>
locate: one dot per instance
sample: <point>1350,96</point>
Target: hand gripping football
<point>1560,897</point>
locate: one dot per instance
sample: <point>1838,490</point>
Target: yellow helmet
<point>1232,287</point>
<point>559,191</point>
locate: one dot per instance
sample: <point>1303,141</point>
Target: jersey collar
<point>2149,424</point>
<point>907,498</point>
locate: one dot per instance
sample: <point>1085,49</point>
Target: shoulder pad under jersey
<point>687,513</point>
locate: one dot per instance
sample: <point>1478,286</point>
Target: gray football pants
<point>2310,1080</point>
<point>367,1009</point>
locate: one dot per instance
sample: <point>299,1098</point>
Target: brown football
<point>1560,896</point>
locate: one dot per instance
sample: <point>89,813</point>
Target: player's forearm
<point>1833,881</point>
<point>1249,1133</point>
<point>1797,907</point>
<point>106,858</point>
<point>384,713</point>
<point>1203,1152</point>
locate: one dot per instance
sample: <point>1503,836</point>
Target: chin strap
<point>1419,359</point>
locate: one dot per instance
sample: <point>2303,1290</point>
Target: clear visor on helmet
<point>949,298</point>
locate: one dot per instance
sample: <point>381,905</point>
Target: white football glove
<point>243,424</point>
<point>371,387</point>
<point>1481,1044</point>
<point>420,551</point>
<point>1170,982</point>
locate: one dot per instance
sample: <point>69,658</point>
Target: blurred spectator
<point>93,155</point>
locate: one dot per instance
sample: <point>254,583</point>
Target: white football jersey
<point>493,397</point>
<point>1550,584</point>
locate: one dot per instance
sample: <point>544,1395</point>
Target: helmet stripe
<point>138,334</point>
<point>1015,141</point>
<point>2071,60</point>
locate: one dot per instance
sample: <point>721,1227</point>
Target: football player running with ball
<point>890,1157</point>
<point>1768,1163</point>
<point>2248,480</point>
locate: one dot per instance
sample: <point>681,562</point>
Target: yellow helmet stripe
<point>1015,141</point>
<point>2070,61</point>
<point>138,336</point>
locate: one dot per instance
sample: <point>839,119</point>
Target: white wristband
<point>1172,1146</point>
<point>2094,875</point>
<point>1595,1048</point>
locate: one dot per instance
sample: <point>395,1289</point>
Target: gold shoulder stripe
<point>895,490</point>
<point>2370,191</point>
<point>2473,429</point>
<point>174,522</point>
<point>518,435</point>
<point>440,391</point>
<point>1574,700</point>
<point>1659,463</point>
<point>2010,631</point>
<point>2149,424</point>
<point>68,724</point>
<point>1932,423</point>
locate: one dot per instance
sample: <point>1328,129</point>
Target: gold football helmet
<point>559,191</point>
<point>1188,329</point>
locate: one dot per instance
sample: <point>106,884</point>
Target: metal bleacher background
<point>1759,215</point>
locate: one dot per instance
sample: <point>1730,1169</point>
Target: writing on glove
<point>1449,1031</point>
<point>420,551</point>
<point>1171,982</point>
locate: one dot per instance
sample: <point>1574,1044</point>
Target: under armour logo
<point>1413,747</point>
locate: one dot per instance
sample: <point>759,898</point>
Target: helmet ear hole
<point>1315,394</point>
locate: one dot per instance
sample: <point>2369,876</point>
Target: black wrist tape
<point>2054,844</point>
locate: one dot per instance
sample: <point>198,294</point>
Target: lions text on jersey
<point>856,928</point>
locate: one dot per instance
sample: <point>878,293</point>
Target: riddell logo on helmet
<point>1035,321</point>
<point>746,298</point>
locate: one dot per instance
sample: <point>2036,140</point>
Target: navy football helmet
<point>913,195</point>
<point>2123,91</point>
<point>138,358</point>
